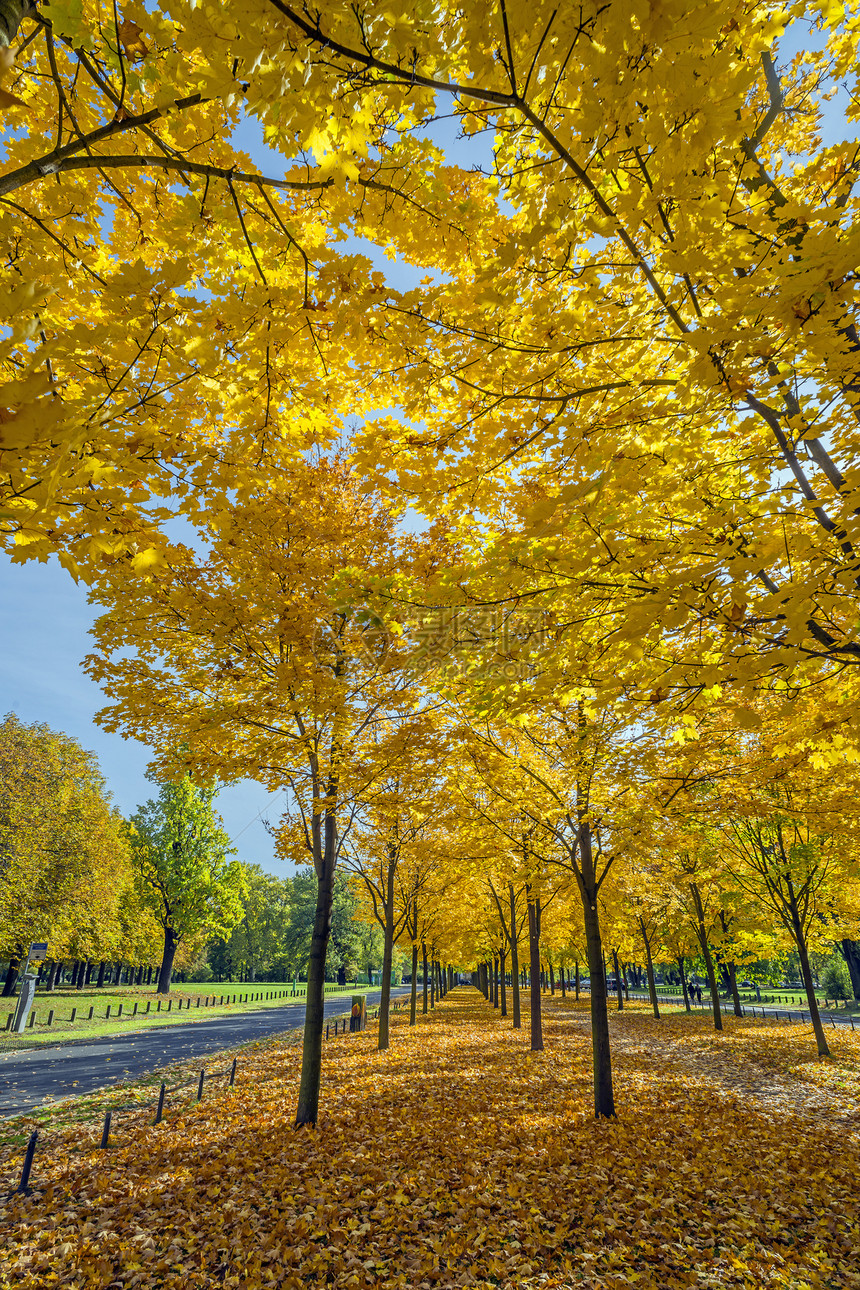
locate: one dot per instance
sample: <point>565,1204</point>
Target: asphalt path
<point>33,1076</point>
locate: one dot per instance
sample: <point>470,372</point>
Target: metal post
<point>200,1085</point>
<point>233,1073</point>
<point>106,1131</point>
<point>74,1014</point>
<point>28,1161</point>
<point>326,1032</point>
<point>51,1017</point>
<point>160,1104</point>
<point>92,1010</point>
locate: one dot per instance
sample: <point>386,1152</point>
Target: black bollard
<point>200,1085</point>
<point>24,1184</point>
<point>106,1131</point>
<point>160,1104</point>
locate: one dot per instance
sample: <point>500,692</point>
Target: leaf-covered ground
<point>458,1158</point>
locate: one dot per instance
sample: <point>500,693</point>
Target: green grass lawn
<point>177,1008</point>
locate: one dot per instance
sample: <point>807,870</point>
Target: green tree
<point>257,940</point>
<point>179,852</point>
<point>344,947</point>
<point>835,979</point>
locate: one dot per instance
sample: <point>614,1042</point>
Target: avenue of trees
<point>531,574</point>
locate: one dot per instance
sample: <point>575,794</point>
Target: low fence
<point>747,1009</point>
<point>117,1013</point>
<point>746,997</point>
<point>164,1091</point>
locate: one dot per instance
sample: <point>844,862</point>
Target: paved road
<point>31,1076</point>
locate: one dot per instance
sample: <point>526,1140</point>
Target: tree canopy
<point>582,497</point>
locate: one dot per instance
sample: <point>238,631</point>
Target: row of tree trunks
<point>52,971</point>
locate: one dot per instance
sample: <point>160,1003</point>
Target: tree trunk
<point>851,950</point>
<point>730,971</point>
<point>534,973</point>
<point>604,1098</point>
<point>52,975</point>
<point>502,986</point>
<point>626,983</point>
<point>704,946</point>
<point>11,976</point>
<point>495,980</point>
<point>551,980</point>
<point>83,973</point>
<point>149,976</point>
<point>166,970</point>
<point>433,983</point>
<point>649,967</point>
<point>576,968</point>
<point>618,986</point>
<point>515,960</point>
<point>101,977</point>
<point>424,982</point>
<point>806,976</point>
<point>561,977</point>
<point>307,1110</point>
<point>413,994</point>
<point>733,986</point>
<point>387,956</point>
<point>684,987</point>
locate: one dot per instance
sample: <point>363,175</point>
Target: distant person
<point>698,994</point>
